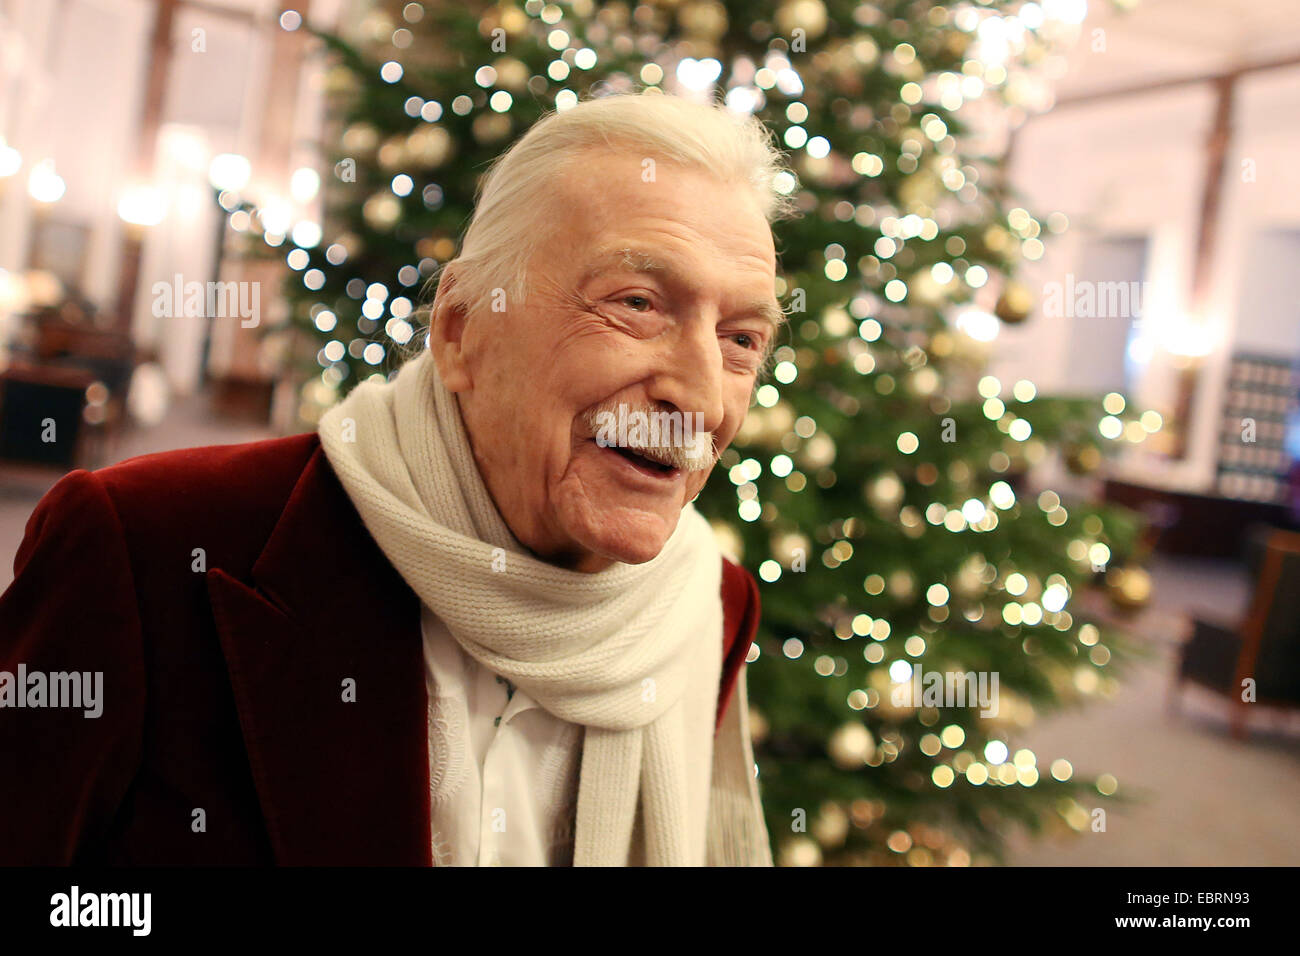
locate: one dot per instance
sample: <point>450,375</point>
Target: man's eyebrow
<point>769,310</point>
<point>634,259</point>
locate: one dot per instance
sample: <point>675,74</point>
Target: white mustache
<point>687,455</point>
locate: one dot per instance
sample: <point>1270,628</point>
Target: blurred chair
<point>42,416</point>
<point>1265,645</point>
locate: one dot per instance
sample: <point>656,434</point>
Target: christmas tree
<point>879,489</point>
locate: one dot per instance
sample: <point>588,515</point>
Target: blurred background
<point>1035,415</point>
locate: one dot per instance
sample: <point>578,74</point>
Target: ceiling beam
<point>1159,86</point>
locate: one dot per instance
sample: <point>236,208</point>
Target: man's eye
<point>745,340</point>
<point>638,303</point>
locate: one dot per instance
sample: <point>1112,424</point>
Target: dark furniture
<point>1264,646</point>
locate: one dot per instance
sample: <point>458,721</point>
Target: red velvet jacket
<point>223,669</point>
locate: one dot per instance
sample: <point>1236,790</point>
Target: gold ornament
<point>766,426</point>
<point>429,146</point>
<point>799,851</point>
<point>382,210</point>
<point>1012,711</point>
<point>924,381</point>
<point>886,492</point>
<point>514,21</point>
<point>851,745</point>
<point>806,15</point>
<point>957,43</point>
<point>837,322</point>
<point>339,79</point>
<point>491,127</point>
<point>788,547</point>
<point>702,19</point>
<point>969,582</point>
<point>997,238</point>
<point>831,828</point>
<point>351,244</point>
<point>817,452</point>
<point>1129,587</point>
<point>921,189</point>
<point>1082,459</point>
<point>924,288</point>
<point>1015,303</point>
<point>901,584</point>
<point>393,153</point>
<point>512,74</point>
<point>360,138</point>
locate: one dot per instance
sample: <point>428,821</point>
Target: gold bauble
<point>351,243</point>
<point>925,289</point>
<point>702,19</point>
<point>490,127</point>
<point>514,21</point>
<point>1129,587</point>
<point>360,138</point>
<point>1012,711</point>
<point>957,43</point>
<point>851,745</point>
<point>997,238</point>
<point>338,80</point>
<point>807,15</point>
<point>817,452</point>
<point>1082,459</point>
<point>969,581</point>
<point>921,188</point>
<point>392,154</point>
<point>382,210</point>
<point>831,828</point>
<point>512,73</point>
<point>377,26</point>
<point>900,584</point>
<point>886,492</point>
<point>799,851</point>
<point>1015,303</point>
<point>789,546</point>
<point>429,146</point>
<point>765,426</point>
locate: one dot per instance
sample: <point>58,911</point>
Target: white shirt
<point>503,772</point>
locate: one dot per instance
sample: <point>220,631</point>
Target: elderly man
<point>475,619</point>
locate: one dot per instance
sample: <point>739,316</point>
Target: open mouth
<point>643,464</point>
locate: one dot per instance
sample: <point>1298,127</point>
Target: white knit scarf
<point>633,653</point>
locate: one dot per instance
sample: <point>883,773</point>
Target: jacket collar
<point>326,662</point>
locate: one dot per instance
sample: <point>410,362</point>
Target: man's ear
<point>447,322</point>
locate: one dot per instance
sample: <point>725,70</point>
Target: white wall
<point>73,100</point>
<point>1135,166</point>
<point>72,83</point>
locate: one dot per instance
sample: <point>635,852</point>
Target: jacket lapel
<point>326,661</point>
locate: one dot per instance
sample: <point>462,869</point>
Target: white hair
<point>516,196</point>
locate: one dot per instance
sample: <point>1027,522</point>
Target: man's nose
<point>691,376</point>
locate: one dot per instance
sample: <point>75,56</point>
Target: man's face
<point>654,294</point>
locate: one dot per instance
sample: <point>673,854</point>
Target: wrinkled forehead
<point>601,189</point>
